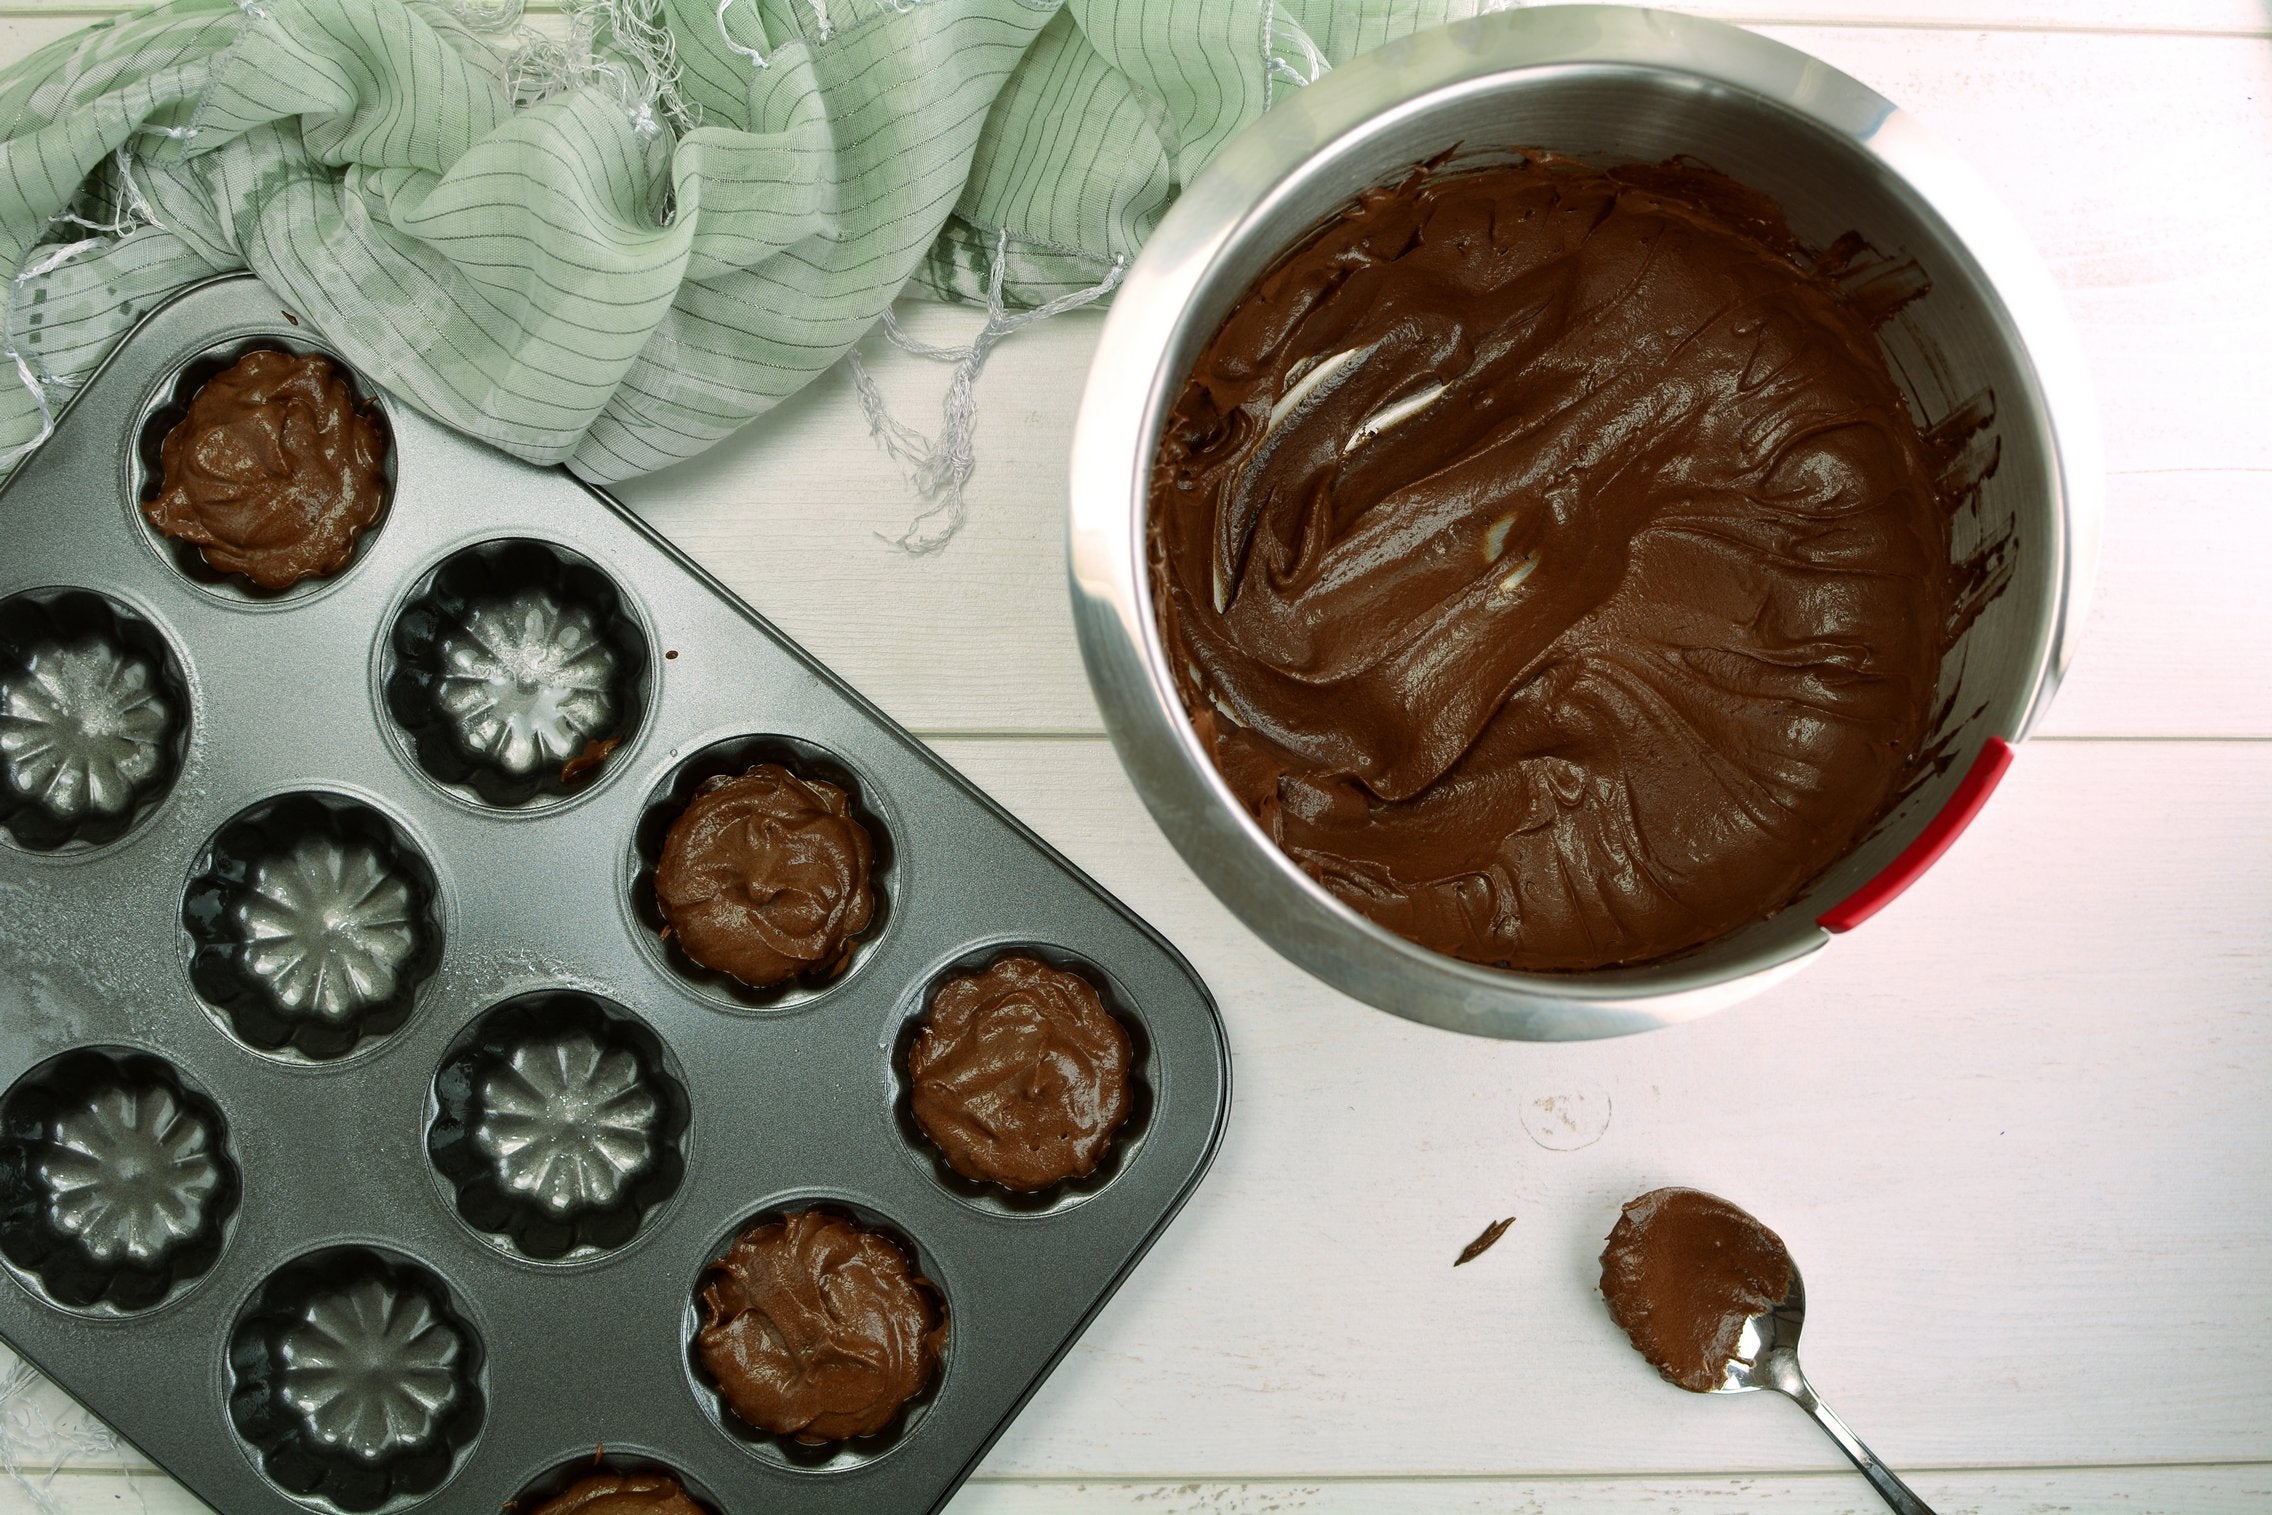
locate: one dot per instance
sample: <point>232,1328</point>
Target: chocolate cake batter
<point>1020,1075</point>
<point>274,472</point>
<point>815,1327</point>
<point>608,1493</point>
<point>765,877</point>
<point>1550,563</point>
<point>1682,1272</point>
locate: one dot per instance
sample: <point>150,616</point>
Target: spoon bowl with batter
<point>1714,1301</point>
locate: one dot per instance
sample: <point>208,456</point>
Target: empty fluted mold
<point>516,671</point>
<point>354,1379</point>
<point>558,1125</point>
<point>94,719</point>
<point>116,1183</point>
<point>314,921</point>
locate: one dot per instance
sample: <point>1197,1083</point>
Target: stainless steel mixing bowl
<point>1607,84</point>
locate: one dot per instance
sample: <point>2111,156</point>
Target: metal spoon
<point>1767,1357</point>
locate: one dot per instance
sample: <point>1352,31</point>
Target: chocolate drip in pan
<point>515,669</point>
<point>608,1492</point>
<point>765,877</point>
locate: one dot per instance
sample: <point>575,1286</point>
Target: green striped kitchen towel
<point>614,248</point>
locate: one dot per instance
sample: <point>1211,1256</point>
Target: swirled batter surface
<point>764,876</point>
<point>275,471</point>
<point>1551,564</point>
<point>815,1327</point>
<point>1020,1074</point>
<point>611,1493</point>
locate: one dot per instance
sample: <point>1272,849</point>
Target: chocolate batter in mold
<point>727,927</point>
<point>265,471</point>
<point>354,1379</point>
<point>314,920</point>
<point>116,1182</point>
<point>515,671</point>
<point>94,719</point>
<point>558,1125</point>
<point>1552,566</point>
<point>764,876</point>
<point>1020,1079</point>
<point>613,1484</point>
<point>816,1335</point>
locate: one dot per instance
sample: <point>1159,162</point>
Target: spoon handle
<point>1891,1489</point>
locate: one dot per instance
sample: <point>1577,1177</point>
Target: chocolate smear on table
<point>611,1493</point>
<point>764,876</point>
<point>1552,566</point>
<point>1682,1272</point>
<point>1483,1243</point>
<point>274,471</point>
<point>817,1328</point>
<point>1020,1074</point>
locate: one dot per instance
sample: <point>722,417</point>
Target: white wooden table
<point>2018,1129</point>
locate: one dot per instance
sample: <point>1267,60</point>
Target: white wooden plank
<point>2176,636</point>
<point>2139,1491</point>
<point>2125,1491</point>
<point>2136,165</point>
<point>83,1493</point>
<point>2129,1491</point>
<point>22,35</point>
<point>2103,1491</point>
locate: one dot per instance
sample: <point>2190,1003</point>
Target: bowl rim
<point>1129,388</point>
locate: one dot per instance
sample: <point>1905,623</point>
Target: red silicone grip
<point>1972,792</point>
